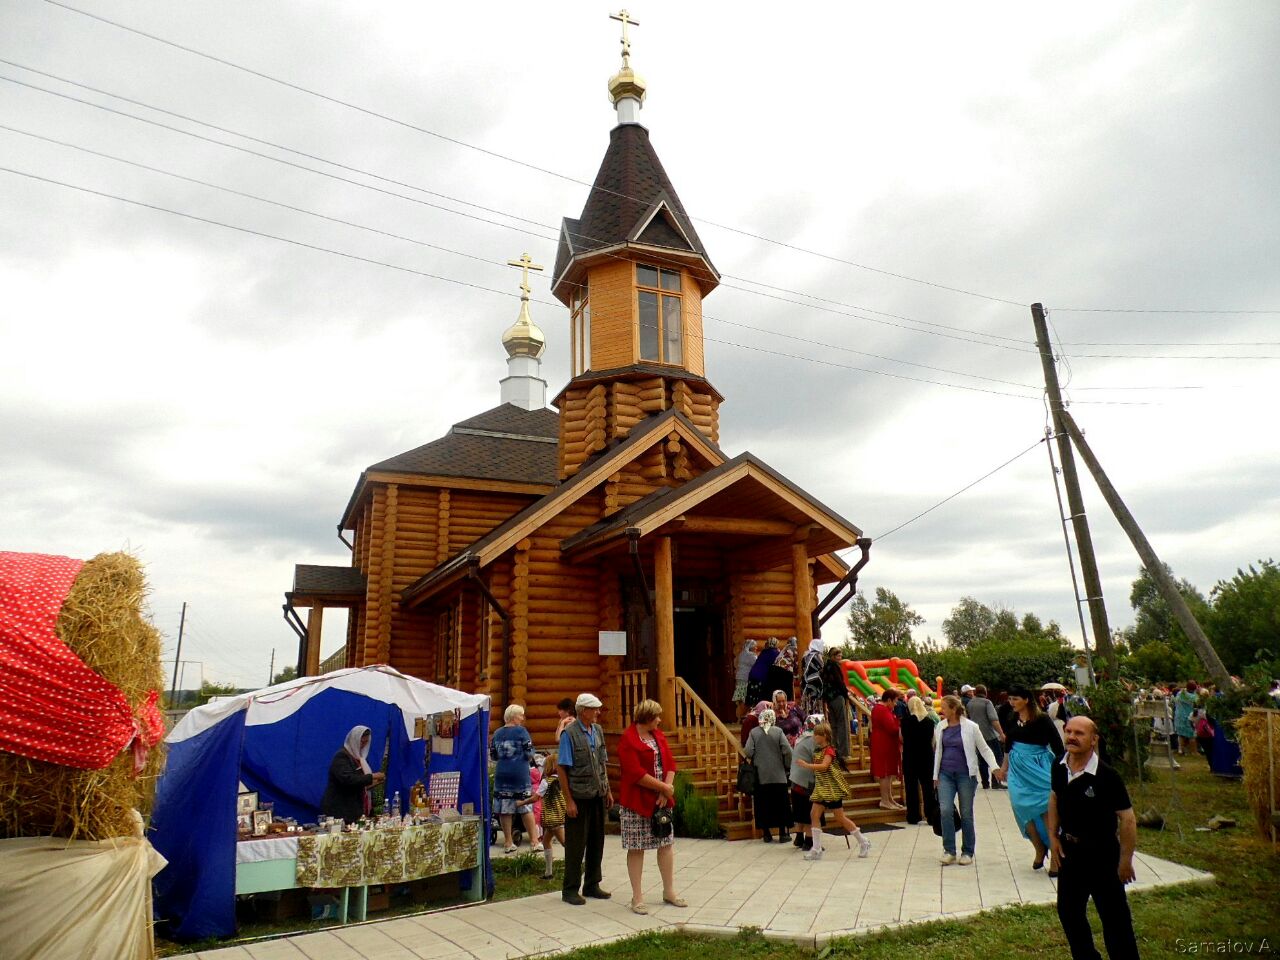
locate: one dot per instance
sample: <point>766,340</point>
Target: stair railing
<point>632,689</point>
<point>717,748</point>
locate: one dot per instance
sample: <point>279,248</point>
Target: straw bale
<point>102,622</point>
<point>1252,734</point>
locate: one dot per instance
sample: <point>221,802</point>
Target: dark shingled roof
<point>311,579</point>
<point>505,443</point>
<point>630,183</point>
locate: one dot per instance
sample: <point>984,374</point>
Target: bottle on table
<point>395,806</point>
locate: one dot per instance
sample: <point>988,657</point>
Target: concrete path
<point>728,886</point>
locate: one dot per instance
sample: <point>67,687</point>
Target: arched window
<point>661,323</point>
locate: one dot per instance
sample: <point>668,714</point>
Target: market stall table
<point>360,859</point>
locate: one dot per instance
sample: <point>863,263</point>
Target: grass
<point>1240,905</point>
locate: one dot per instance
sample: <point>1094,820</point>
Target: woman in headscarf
<point>769,751</point>
<point>790,719</point>
<point>917,762</point>
<point>1034,747</point>
<point>746,660</point>
<point>782,674</point>
<point>347,793</point>
<point>758,679</point>
<point>811,677</point>
<point>752,719</point>
<point>802,782</point>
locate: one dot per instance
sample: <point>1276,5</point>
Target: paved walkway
<point>729,885</point>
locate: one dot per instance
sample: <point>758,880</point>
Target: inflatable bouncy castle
<point>872,677</point>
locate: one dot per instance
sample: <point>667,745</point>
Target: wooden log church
<point>494,558</point>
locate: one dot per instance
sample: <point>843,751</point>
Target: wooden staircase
<point>709,752</point>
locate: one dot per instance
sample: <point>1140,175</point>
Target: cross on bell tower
<point>524,344</point>
<point>626,87</point>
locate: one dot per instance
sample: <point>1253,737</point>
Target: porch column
<point>803,585</point>
<point>664,614</point>
<point>315,621</point>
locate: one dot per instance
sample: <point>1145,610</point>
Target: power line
<point>969,486</point>
<point>392,193</point>
<point>1155,310</point>
<point>510,159</point>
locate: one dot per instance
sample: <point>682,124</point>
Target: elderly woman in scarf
<point>811,677</point>
<point>746,660</point>
<point>768,750</point>
<point>758,679</point>
<point>790,719</point>
<point>752,719</point>
<point>782,673</point>
<point>347,793</point>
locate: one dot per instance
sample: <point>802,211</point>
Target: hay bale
<point>101,621</point>
<point>1252,734</point>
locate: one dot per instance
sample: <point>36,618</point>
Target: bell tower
<point>633,273</point>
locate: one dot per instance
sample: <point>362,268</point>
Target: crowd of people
<point>1071,807</point>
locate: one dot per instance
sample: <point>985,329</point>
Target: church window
<point>661,323</point>
<point>580,330</point>
<point>446,671</point>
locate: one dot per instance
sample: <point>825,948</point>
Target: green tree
<point>1153,620</point>
<point>1244,625</point>
<point>883,628</point>
<point>970,623</point>
<point>285,675</point>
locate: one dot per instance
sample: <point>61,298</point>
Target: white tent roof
<point>415,698</point>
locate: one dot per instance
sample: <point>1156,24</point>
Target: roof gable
<point>592,473</point>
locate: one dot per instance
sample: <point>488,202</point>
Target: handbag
<point>748,778</point>
<point>661,822</point>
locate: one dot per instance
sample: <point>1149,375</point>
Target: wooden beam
<point>803,587</point>
<point>664,614</point>
<point>315,623</point>
<point>743,526</point>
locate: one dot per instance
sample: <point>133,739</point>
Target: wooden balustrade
<point>632,689</point>
<point>860,742</point>
<point>701,733</point>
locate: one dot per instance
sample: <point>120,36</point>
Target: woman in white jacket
<point>957,742</point>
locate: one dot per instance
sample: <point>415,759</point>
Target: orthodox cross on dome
<point>525,263</point>
<point>625,19</point>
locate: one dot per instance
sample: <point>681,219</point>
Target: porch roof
<point>741,497</point>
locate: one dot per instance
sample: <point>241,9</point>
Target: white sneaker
<point>947,859</point>
<point>815,854</point>
<point>864,847</point>
<point>965,859</point>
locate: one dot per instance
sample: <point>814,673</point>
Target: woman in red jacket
<point>648,771</point>
<point>886,748</point>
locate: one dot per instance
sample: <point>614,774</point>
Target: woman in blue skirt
<point>1033,747</point>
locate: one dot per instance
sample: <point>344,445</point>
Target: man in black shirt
<point>1093,833</point>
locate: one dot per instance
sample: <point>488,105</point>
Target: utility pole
<point>271,670</point>
<point>1080,523</point>
<point>1164,583</point>
<point>177,658</point>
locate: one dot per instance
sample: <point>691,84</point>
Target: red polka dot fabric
<point>53,707</point>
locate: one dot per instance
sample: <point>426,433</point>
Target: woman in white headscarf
<point>768,750</point>
<point>347,794</point>
<point>811,677</point>
<point>746,660</point>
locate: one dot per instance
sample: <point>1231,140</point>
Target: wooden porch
<point>709,752</point>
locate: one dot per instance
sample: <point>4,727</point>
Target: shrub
<point>697,814</point>
<point>1111,709</point>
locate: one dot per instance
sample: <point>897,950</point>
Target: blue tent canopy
<point>280,742</point>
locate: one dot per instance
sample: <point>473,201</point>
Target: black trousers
<point>1080,878</point>
<point>584,834</point>
<point>917,780</point>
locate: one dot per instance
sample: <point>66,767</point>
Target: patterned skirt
<point>637,833</point>
<point>553,808</point>
<point>829,786</point>
<point>740,692</point>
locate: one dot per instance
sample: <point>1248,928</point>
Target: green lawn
<point>1242,904</point>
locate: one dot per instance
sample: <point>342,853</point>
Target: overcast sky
<point>207,398</point>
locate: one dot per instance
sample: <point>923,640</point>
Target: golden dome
<point>524,338</point>
<point>626,83</point>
